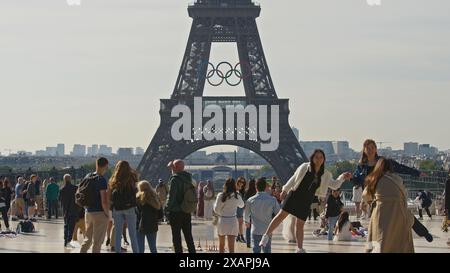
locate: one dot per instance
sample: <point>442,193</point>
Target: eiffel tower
<point>222,21</point>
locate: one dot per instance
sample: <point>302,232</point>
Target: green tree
<point>428,165</point>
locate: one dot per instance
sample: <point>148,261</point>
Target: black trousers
<point>69,226</point>
<point>181,221</point>
<point>4,211</point>
<point>427,209</point>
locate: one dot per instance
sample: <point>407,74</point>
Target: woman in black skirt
<point>298,194</point>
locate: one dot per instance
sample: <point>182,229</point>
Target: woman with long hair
<point>208,192</point>
<point>241,183</point>
<point>249,193</point>
<point>225,207</point>
<point>122,192</point>
<point>343,229</point>
<point>391,221</point>
<point>298,194</point>
<point>369,158</point>
<point>148,209</point>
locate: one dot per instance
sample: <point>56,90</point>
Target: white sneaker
<point>300,250</point>
<point>264,240</point>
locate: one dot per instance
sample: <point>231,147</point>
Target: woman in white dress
<point>357,198</point>
<point>208,200</point>
<point>225,207</point>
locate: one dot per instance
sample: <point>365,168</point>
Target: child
<point>148,211</point>
<point>334,208</point>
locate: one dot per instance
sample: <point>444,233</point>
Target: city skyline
<point>371,72</point>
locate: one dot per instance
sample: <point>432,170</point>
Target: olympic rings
<point>231,72</point>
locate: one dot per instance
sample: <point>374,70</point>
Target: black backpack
<point>25,226</point>
<point>85,195</point>
<point>123,199</point>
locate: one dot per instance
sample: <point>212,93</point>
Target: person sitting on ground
<point>343,229</point>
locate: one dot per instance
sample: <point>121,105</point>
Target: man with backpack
<point>69,207</point>
<point>424,200</point>
<point>91,195</point>
<point>181,203</point>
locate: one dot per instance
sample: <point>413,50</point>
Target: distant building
<point>243,151</point>
<point>50,151</point>
<point>139,151</point>
<point>296,133</point>
<point>105,150</point>
<point>427,150</point>
<point>94,149</point>
<point>310,146</point>
<point>60,149</point>
<point>411,148</point>
<point>41,153</point>
<point>125,152</point>
<point>78,150</point>
<point>341,148</point>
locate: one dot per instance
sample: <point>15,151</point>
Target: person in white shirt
<point>225,207</point>
<point>299,192</point>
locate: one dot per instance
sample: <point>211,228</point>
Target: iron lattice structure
<point>219,21</point>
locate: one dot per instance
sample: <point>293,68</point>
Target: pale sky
<point>95,73</point>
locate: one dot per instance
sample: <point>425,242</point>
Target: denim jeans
<point>331,224</point>
<point>248,235</point>
<point>119,217</point>
<point>256,248</point>
<point>151,240</point>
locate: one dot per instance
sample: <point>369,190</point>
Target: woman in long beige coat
<point>391,221</point>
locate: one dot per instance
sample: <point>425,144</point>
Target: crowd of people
<point>246,212</point>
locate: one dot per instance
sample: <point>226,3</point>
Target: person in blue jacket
<point>369,158</point>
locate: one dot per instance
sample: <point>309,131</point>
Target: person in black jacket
<point>69,207</point>
<point>334,208</point>
<point>149,212</point>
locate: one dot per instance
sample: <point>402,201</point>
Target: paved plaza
<point>49,238</point>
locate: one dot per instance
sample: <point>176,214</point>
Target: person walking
<point>299,192</point>
<point>20,203</point>
<point>225,207</point>
<point>259,211</point>
<point>180,204</point>
<point>97,211</point>
<point>391,222</point>
<point>30,191</point>
<point>51,193</point>
<point>70,209</point>
<point>148,211</point>
<point>122,191</point>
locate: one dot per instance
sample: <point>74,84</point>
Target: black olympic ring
<point>233,71</point>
